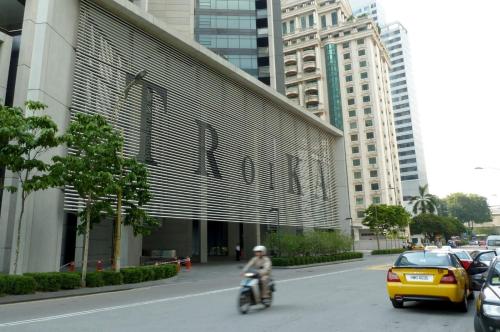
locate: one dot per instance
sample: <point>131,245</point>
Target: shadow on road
<point>434,308</point>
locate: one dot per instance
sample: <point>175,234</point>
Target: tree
<point>25,139</point>
<point>431,225</point>
<point>131,178</point>
<point>385,219</point>
<point>441,207</point>
<point>468,207</point>
<point>89,169</point>
<point>424,202</point>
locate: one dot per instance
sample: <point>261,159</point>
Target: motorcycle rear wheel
<point>267,302</point>
<point>244,302</point>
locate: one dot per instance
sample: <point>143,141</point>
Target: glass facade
<point>332,78</point>
<point>229,28</point>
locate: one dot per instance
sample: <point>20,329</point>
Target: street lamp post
<point>119,196</point>
<point>278,229</point>
<point>352,231</point>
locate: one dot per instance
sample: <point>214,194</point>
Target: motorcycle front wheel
<point>244,302</point>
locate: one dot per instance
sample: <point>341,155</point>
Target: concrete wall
<point>372,244</point>
<point>45,74</point>
<point>5,51</point>
<point>173,234</point>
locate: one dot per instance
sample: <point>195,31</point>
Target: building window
<point>284,28</point>
<point>354,138</point>
<point>361,52</point>
<point>352,113</point>
<point>348,78</point>
<point>364,75</point>
<point>351,101</point>
<point>362,63</point>
<point>371,147</point>
<point>372,160</point>
<point>376,199</point>
<point>370,135</point>
<point>356,162</point>
<point>350,89</point>
<point>347,56</point>
<point>368,110</point>
<point>353,125</point>
<point>303,22</point>
<point>368,123</point>
<point>358,187</point>
<point>359,200</point>
<point>348,67</point>
<point>323,22</point>
<point>335,18</point>
<point>345,45</point>
<point>311,20</point>
<point>366,99</point>
<point>355,149</point>
<point>292,26</point>
<point>373,173</point>
<point>357,175</point>
<point>360,41</point>
<point>360,214</point>
<point>365,87</point>
<point>374,186</point>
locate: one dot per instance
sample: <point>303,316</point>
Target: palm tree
<point>424,202</point>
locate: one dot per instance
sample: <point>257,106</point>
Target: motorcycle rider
<point>263,265</point>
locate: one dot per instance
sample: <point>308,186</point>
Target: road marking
<point>383,267</point>
<point>168,299</point>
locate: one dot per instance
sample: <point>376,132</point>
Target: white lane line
<point>169,299</point>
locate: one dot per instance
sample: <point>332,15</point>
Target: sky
<point>454,47</point>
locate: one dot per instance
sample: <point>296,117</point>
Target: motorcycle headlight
<point>491,310</point>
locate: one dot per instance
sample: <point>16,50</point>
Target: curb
<point>10,299</point>
<point>317,264</point>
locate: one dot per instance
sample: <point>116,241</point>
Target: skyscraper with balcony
<point>337,67</point>
<point>406,117</point>
<point>241,31</point>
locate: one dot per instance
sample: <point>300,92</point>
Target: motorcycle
<point>250,292</point>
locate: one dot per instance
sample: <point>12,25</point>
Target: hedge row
<point>305,260</point>
<point>388,251</point>
<point>55,281</point>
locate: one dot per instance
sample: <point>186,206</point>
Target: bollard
<point>188,264</point>
<point>99,266</point>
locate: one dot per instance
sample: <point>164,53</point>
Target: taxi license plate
<point>420,277</point>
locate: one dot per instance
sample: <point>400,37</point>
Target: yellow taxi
<point>428,276</point>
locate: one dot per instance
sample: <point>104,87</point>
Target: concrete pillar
<point>233,238</point>
<point>131,247</point>
<point>203,242</point>
<point>5,51</point>
<point>44,73</point>
<point>342,186</point>
<point>251,238</point>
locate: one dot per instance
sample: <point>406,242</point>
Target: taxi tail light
<point>449,278</point>
<point>392,277</point>
<point>466,264</point>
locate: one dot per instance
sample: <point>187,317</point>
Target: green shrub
<point>131,275</point>
<point>46,281</point>
<point>170,270</point>
<point>159,272</point>
<point>17,285</point>
<point>94,279</point>
<point>112,278</point>
<point>70,280</point>
<point>388,251</point>
<point>305,260</point>
<point>147,273</point>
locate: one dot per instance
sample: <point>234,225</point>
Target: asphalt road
<point>342,297</point>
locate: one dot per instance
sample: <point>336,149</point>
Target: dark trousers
<point>238,255</point>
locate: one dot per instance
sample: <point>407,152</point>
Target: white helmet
<point>260,248</point>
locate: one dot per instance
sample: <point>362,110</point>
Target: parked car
<point>493,242</point>
<point>487,316</point>
<point>428,276</point>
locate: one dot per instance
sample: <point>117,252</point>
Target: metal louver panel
<point>181,103</point>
